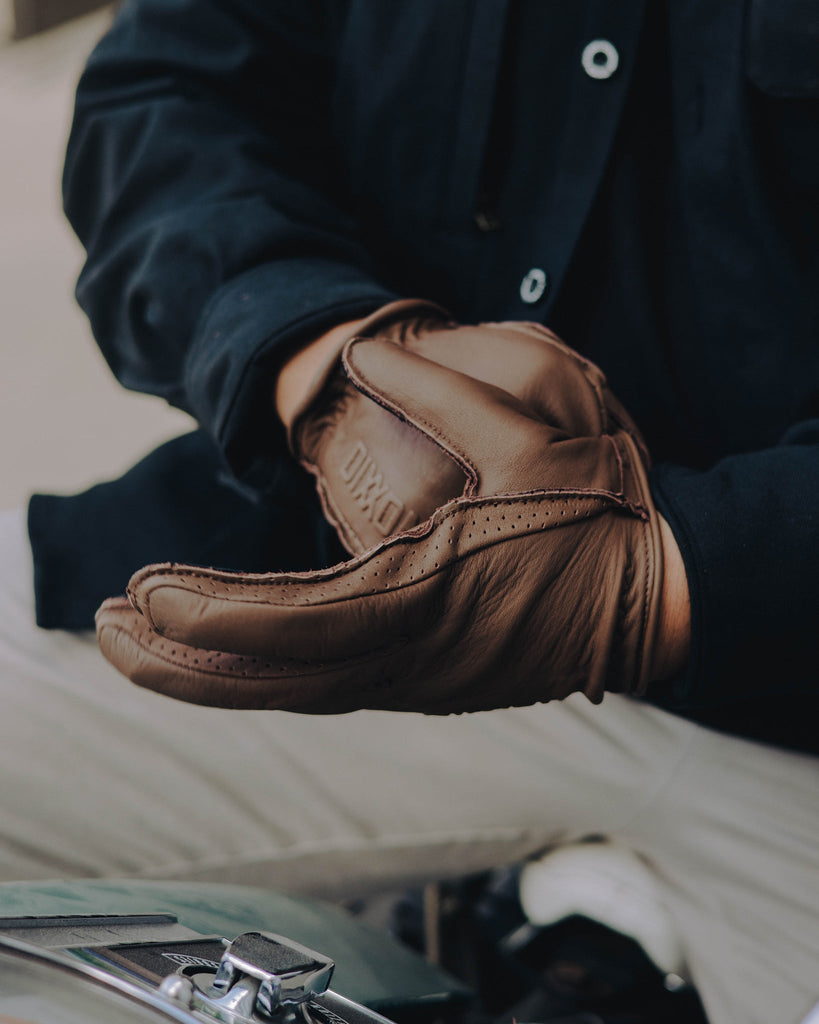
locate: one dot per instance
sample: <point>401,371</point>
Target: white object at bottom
<point>100,778</point>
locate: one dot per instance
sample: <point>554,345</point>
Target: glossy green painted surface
<point>370,967</point>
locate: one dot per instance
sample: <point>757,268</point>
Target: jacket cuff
<point>251,325</point>
<point>747,534</point>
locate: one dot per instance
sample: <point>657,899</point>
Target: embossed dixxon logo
<point>372,494</point>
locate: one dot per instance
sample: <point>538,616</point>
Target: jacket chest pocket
<point>782,47</point>
<point>782,64</point>
<point>413,105</point>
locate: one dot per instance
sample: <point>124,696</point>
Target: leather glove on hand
<point>376,475</point>
<point>544,578</point>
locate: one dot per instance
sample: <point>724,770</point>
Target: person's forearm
<point>231,263</point>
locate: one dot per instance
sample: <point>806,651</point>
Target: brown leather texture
<point>377,475</point>
<point>541,578</point>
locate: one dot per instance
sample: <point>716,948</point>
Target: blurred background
<point>65,423</point>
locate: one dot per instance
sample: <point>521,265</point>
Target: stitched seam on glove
<point>268,585</point>
<point>609,498</point>
<point>360,381</point>
<point>332,513</point>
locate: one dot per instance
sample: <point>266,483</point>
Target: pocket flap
<point>782,47</point>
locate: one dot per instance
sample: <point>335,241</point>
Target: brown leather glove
<point>377,475</point>
<point>543,579</point>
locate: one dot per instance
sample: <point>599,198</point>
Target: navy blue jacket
<point>641,176</point>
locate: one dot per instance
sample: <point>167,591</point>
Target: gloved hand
<point>376,475</point>
<point>544,578</point>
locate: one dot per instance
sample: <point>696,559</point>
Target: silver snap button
<point>533,286</point>
<point>600,59</point>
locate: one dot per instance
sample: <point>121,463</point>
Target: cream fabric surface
<point>100,778</point>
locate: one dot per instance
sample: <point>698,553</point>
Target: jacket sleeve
<point>747,529</point>
<point>202,178</point>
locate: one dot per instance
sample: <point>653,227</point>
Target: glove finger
<point>314,617</point>
<point>403,592</point>
<point>529,362</point>
<point>482,426</point>
<point>166,666</point>
<point>218,679</point>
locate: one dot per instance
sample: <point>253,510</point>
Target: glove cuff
<point>648,570</point>
<point>392,312</point>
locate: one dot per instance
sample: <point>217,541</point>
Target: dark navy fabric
<point>178,504</point>
<point>245,173</point>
